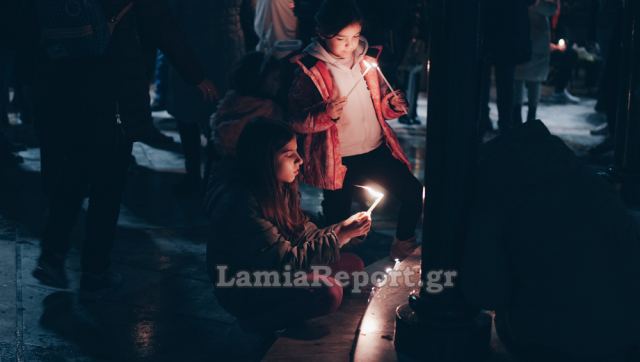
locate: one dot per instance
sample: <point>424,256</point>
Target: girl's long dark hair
<point>256,153</point>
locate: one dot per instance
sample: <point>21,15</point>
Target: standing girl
<point>346,139</point>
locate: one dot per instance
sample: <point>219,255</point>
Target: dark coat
<point>552,247</point>
<point>506,31</point>
<point>213,29</point>
<point>121,72</point>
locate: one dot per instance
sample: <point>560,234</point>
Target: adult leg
<point>190,139</point>
<point>504,89</point>
<point>64,172</point>
<point>413,89</point>
<point>65,180</point>
<point>518,94</point>
<point>564,69</point>
<point>107,181</point>
<point>485,90</point>
<point>533,95</point>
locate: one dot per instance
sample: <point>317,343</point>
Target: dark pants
<point>381,168</point>
<point>191,147</point>
<point>84,154</point>
<point>564,64</point>
<point>504,74</point>
<point>533,97</point>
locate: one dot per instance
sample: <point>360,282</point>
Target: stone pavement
<point>165,310</point>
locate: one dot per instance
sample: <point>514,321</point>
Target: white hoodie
<point>358,128</point>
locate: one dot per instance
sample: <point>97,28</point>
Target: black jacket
<point>506,31</point>
<point>121,70</point>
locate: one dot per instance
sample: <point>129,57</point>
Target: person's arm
<point>307,111</point>
<point>393,105</point>
<point>267,248</point>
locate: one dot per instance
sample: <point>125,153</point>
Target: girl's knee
<point>349,263</point>
<point>328,297</point>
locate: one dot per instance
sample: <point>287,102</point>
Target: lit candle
<point>562,45</point>
<point>404,110</point>
<point>378,195</point>
<point>367,69</point>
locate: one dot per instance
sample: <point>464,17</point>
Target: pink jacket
<point>311,88</point>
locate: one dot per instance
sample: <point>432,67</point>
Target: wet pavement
<point>165,309</point>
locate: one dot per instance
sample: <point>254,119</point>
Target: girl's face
<point>343,44</point>
<point>288,162</point>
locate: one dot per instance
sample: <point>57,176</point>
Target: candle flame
<point>372,192</point>
<point>378,195</point>
<point>370,64</point>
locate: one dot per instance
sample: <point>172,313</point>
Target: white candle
<point>374,193</point>
<point>375,203</point>
<point>404,110</point>
<point>367,69</point>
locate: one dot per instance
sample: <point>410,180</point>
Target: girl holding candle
<point>254,208</point>
<point>346,138</point>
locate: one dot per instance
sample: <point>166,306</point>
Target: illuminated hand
<point>398,102</point>
<point>335,106</point>
<point>356,225</point>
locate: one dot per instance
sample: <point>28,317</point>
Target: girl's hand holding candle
<point>356,225</point>
<point>398,102</point>
<point>335,107</point>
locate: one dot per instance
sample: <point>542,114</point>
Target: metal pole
<point>627,151</point>
<point>441,326</point>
